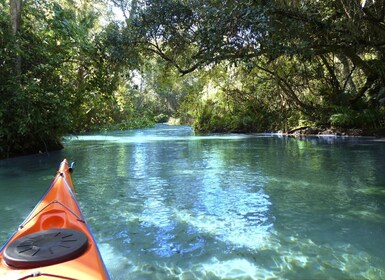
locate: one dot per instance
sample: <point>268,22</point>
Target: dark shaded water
<point>165,204</point>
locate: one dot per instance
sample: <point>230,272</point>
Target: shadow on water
<point>165,204</point>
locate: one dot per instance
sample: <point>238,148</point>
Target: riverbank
<point>351,132</point>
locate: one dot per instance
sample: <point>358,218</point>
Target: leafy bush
<point>345,117</point>
<point>366,119</point>
<point>161,118</point>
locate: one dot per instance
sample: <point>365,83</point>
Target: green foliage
<point>344,118</point>
<point>137,122</point>
<point>161,118</point>
<point>67,78</point>
<point>348,118</point>
<point>224,66</point>
<point>305,60</point>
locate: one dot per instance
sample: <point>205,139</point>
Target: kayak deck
<point>54,241</point>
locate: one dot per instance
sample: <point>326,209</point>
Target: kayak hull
<point>58,210</point>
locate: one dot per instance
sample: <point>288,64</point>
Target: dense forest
<point>70,66</point>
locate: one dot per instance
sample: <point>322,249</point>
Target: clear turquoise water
<point>165,204</point>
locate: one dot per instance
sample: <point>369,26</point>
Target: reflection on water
<point>165,204</point>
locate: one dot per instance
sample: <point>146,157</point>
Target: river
<point>166,204</point>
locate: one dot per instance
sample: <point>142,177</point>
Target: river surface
<point>165,204</point>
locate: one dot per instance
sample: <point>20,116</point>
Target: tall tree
<point>15,6</point>
<point>15,10</point>
<point>66,81</point>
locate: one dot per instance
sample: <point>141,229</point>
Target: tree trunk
<point>134,8</point>
<point>15,6</point>
<point>347,70</point>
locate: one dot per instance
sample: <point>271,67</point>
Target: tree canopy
<point>323,59</point>
<point>68,66</point>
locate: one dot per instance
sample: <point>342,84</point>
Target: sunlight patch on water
<point>156,214</point>
<point>341,261</point>
<point>154,138</point>
<point>116,261</point>
<point>326,261</point>
<point>367,215</point>
<point>228,230</point>
<point>372,190</point>
<point>235,269</point>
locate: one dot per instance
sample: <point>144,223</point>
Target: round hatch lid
<point>45,248</point>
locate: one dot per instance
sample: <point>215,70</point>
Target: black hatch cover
<point>45,248</point>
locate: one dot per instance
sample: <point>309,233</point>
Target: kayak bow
<point>54,241</point>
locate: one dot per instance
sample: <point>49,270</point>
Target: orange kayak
<point>54,241</point>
